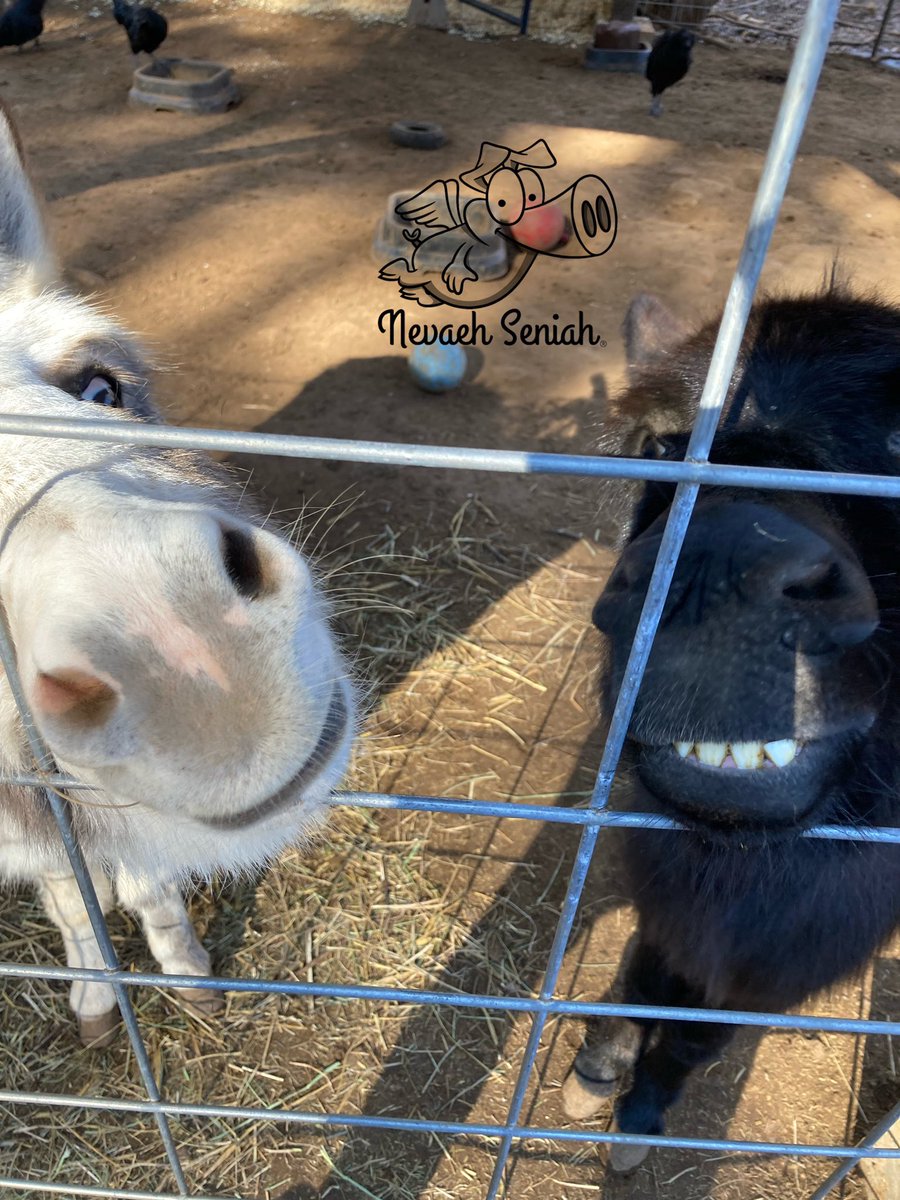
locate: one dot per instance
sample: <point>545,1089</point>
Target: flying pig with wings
<point>506,196</point>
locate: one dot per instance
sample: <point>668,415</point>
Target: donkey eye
<point>100,389</point>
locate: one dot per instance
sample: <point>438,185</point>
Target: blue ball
<point>439,367</point>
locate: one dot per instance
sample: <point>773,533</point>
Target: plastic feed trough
<point>184,85</point>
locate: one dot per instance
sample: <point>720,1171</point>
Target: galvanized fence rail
<point>519,19</point>
<point>689,476</point>
<point>871,31</point>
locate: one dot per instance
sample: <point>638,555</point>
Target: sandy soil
<point>240,246</point>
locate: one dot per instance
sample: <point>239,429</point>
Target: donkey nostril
<point>75,695</point>
<point>814,581</point>
<point>242,562</point>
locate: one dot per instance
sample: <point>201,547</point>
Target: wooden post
<point>883,1174</point>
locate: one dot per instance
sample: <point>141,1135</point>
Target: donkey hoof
<point>99,1032</point>
<point>203,1002</point>
<point>625,1157</point>
<point>582,1098</point>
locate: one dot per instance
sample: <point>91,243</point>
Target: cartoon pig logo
<point>508,198</point>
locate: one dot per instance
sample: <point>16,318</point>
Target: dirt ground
<point>240,247</point>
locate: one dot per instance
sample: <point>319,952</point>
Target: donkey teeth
<point>713,754</point>
<point>747,756</point>
<point>781,753</point>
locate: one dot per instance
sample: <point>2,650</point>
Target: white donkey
<point>175,655</point>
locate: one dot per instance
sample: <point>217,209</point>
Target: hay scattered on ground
<point>386,899</point>
<point>480,686</point>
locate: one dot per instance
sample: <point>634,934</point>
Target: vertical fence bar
<point>882,29</point>
<point>94,909</point>
<point>799,91</point>
<point>520,21</point>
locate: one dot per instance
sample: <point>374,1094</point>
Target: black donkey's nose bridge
<point>733,545</point>
<point>767,560</point>
<point>780,565</point>
<point>769,557</point>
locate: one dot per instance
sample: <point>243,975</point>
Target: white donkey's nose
<point>173,641</point>
<point>70,692</point>
<point>259,566</point>
<point>190,596</point>
<point>243,565</point>
<point>74,695</point>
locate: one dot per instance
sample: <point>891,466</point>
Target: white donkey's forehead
<point>38,334</point>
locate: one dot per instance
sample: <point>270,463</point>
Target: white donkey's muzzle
<point>176,656</point>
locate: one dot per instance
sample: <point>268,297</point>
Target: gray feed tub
<point>184,85</point>
<point>617,60</point>
<point>489,259</point>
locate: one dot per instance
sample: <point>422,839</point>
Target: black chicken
<point>146,28</point>
<point>22,22</point>
<point>669,61</point>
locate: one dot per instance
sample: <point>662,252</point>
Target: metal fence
<point>519,19</point>
<point>689,475</point>
<point>869,29</point>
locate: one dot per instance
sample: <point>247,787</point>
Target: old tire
<point>417,135</point>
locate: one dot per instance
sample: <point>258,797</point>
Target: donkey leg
<point>613,1044</point>
<point>660,1076</point>
<point>94,1004</point>
<point>172,939</point>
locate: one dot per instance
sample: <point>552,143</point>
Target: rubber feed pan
<point>184,85</point>
<point>617,60</point>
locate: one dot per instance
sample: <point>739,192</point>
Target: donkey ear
<point>651,331</point>
<point>26,260</point>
